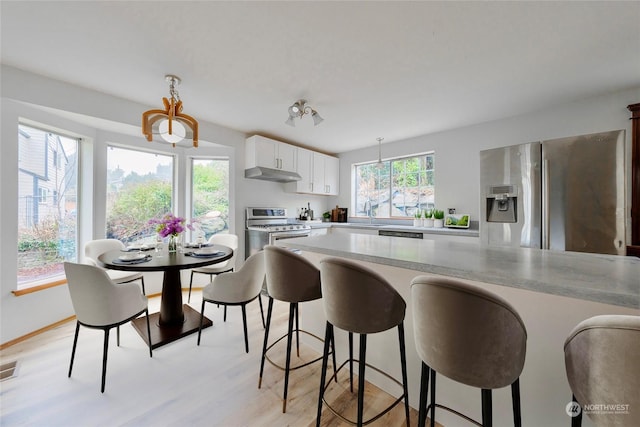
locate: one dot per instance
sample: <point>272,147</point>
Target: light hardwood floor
<point>215,384</point>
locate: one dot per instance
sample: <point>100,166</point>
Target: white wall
<point>457,163</point>
<point>42,99</point>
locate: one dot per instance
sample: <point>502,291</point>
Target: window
<point>139,187</point>
<point>47,225</point>
<point>395,188</point>
<point>210,195</point>
<point>42,195</point>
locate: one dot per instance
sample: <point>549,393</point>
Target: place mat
<point>205,254</point>
<point>130,262</point>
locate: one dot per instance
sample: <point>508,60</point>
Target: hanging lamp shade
<point>170,124</point>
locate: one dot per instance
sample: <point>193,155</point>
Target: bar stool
<point>358,300</point>
<point>293,279</point>
<point>469,335</point>
<point>602,359</point>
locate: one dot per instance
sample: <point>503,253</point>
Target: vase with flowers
<point>171,226</point>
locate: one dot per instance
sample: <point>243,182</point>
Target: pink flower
<point>170,225</point>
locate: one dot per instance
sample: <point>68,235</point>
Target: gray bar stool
<point>293,279</point>
<point>602,359</point>
<point>469,335</point>
<point>358,300</point>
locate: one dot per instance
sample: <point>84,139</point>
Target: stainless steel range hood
<point>268,174</point>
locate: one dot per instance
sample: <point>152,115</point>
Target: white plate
<point>131,257</point>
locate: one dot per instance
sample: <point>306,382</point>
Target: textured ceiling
<point>390,69</point>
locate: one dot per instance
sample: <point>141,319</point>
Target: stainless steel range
<point>266,226</point>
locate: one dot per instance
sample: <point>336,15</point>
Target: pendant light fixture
<point>379,139</point>
<point>170,123</point>
<point>299,109</point>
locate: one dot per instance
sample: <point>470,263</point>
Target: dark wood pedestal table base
<point>175,319</point>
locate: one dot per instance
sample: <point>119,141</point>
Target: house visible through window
<point>47,220</point>
<point>394,188</point>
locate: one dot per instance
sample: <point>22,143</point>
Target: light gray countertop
<point>607,279</point>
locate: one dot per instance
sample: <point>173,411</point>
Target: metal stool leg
<point>487,420</point>
<point>424,387</point>
<point>328,336</point>
<point>266,340</point>
<point>515,397</point>
<point>361,368</point>
<point>292,313</point>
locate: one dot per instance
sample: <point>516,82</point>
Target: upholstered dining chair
<point>224,239</point>
<point>99,303</point>
<point>236,288</point>
<point>94,248</point>
<point>471,336</point>
<point>602,360</point>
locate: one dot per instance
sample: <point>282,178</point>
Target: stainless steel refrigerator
<point>564,194</point>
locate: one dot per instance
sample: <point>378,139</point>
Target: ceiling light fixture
<point>170,123</point>
<point>379,139</point>
<point>299,109</point>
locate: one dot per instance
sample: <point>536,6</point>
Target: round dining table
<point>175,319</point>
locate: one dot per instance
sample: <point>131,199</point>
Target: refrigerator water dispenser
<point>502,204</point>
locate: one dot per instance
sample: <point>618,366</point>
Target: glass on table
<point>159,246</point>
<point>200,239</point>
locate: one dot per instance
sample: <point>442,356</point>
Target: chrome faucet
<point>368,210</point>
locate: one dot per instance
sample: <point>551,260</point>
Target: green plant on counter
<point>438,214</point>
<point>418,214</point>
<point>427,213</point>
<point>326,215</point>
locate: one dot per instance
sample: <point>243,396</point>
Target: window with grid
<point>394,188</point>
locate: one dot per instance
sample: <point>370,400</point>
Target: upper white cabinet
<point>325,174</point>
<point>331,175</point>
<point>319,173</point>
<point>304,162</point>
<point>269,153</point>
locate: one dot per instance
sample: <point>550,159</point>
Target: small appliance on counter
<point>306,214</point>
<point>339,214</point>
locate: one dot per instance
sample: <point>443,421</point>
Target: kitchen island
<point>552,291</point>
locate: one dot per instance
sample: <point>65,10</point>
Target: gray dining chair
<point>94,248</point>
<point>99,303</point>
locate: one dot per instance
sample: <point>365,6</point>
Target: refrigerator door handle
<point>545,203</point>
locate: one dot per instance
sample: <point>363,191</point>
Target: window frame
<point>389,166</point>
<point>43,193</point>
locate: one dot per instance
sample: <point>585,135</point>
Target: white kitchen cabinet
<point>269,153</point>
<point>325,174</point>
<point>319,174</point>
<point>331,175</point>
<point>304,163</point>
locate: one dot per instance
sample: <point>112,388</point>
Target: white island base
<point>544,389</point>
